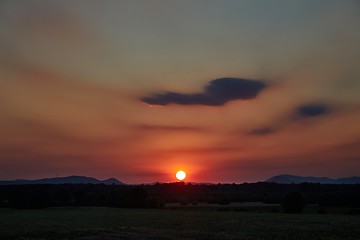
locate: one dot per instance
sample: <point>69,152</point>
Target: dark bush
<point>137,198</point>
<point>223,209</point>
<point>274,210</point>
<point>223,201</point>
<point>184,202</point>
<point>30,199</point>
<point>322,211</point>
<point>293,202</point>
<point>241,209</point>
<point>353,211</point>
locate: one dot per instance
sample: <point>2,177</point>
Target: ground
<point>173,223</point>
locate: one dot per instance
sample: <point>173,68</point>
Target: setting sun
<point>180,175</point>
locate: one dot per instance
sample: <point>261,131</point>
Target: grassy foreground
<point>111,224</point>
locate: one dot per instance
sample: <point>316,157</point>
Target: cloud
<point>165,128</point>
<point>262,131</point>
<point>312,110</point>
<point>301,112</point>
<point>216,93</point>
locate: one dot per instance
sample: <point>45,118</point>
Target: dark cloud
<point>217,93</point>
<point>312,110</point>
<point>169,128</point>
<point>262,131</point>
<point>301,112</point>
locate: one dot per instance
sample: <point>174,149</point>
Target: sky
<point>228,91</point>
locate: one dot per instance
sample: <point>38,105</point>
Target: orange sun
<point>180,175</point>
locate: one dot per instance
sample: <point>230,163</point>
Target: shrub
<point>137,198</point>
<point>293,202</point>
<point>184,202</point>
<point>322,211</point>
<point>274,210</point>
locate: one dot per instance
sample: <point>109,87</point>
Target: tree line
<point>156,195</point>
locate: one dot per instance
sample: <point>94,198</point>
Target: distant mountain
<point>64,180</point>
<point>288,179</point>
<point>112,181</point>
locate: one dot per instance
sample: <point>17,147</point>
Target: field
<point>173,223</point>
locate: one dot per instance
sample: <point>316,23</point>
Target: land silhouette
<point>111,209</point>
<point>85,191</point>
<point>284,179</point>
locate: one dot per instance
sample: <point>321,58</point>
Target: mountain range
<point>282,179</point>
<point>64,180</point>
<point>289,179</point>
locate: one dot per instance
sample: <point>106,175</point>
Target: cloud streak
<point>262,131</point>
<point>217,92</point>
<point>312,110</point>
<point>302,112</point>
<point>164,128</point>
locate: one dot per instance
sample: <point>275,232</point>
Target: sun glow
<point>180,175</point>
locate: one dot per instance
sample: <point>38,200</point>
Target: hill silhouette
<point>289,179</point>
<point>64,180</point>
<point>281,179</point>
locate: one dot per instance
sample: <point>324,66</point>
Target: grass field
<point>111,224</point>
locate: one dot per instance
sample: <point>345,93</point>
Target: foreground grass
<point>111,224</point>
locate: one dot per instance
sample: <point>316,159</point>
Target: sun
<point>180,175</point>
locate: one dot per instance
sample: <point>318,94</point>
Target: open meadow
<point>172,223</point>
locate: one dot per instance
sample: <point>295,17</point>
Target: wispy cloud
<point>262,131</point>
<point>166,128</point>
<point>302,112</point>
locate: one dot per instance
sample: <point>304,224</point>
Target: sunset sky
<point>228,91</point>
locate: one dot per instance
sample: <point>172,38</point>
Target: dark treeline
<point>156,195</point>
